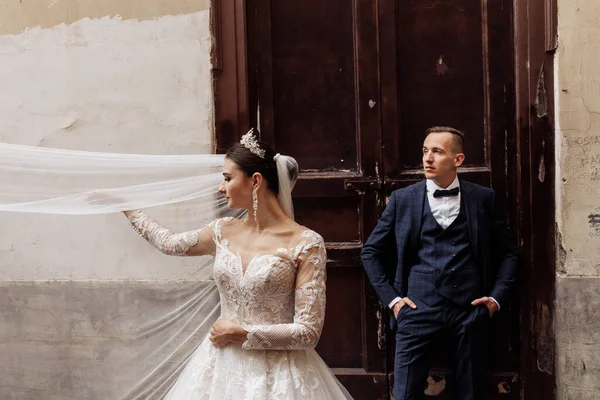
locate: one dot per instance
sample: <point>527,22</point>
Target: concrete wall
<point>96,81</point>
<point>102,75</point>
<point>578,199</point>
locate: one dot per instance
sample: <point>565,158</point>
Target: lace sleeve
<point>192,243</point>
<point>309,310</point>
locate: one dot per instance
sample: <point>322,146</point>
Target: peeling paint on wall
<point>103,85</point>
<point>18,15</point>
<point>578,115</point>
<point>541,98</point>
<point>578,187</point>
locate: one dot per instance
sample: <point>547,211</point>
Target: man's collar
<point>432,186</point>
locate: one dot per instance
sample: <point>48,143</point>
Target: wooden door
<point>450,63</point>
<point>347,88</point>
<point>314,88</point>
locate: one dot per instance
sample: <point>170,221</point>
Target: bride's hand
<point>100,198</point>
<point>226,331</point>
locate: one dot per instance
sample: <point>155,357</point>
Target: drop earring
<point>255,205</point>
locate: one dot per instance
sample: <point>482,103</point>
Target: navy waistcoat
<point>445,268</point>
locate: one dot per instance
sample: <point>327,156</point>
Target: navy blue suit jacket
<point>392,247</point>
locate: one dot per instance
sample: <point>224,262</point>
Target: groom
<point>441,258</point>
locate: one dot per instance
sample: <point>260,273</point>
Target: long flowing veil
<point>131,341</point>
<point>55,181</point>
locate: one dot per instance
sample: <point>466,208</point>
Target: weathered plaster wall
<point>119,76</point>
<point>578,187</point>
<point>104,85</point>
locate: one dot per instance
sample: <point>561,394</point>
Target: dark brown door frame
<point>535,42</point>
<point>532,165</point>
<point>230,71</point>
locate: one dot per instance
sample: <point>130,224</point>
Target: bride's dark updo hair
<point>250,163</point>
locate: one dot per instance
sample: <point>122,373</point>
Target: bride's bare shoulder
<point>230,221</point>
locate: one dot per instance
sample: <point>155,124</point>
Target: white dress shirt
<point>444,210</point>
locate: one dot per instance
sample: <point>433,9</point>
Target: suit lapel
<point>416,212</point>
<point>471,204</point>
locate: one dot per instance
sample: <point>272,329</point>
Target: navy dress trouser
<point>464,328</point>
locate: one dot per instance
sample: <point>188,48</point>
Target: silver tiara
<point>249,142</point>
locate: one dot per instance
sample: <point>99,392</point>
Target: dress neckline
<point>224,242</point>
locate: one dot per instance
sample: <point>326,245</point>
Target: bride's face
<point>236,186</point>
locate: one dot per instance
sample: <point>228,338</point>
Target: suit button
<point>437,271</point>
<point>437,257</point>
<point>455,286</point>
<point>452,270</point>
<point>453,255</point>
<point>453,242</point>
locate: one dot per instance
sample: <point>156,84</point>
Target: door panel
<point>334,218</point>
<point>344,300</point>
<point>313,83</point>
<point>314,69</point>
<point>440,74</point>
<point>452,66</point>
<point>348,88</point>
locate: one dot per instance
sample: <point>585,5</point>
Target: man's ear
<point>460,158</point>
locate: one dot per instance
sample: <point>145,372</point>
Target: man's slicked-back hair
<point>458,136</point>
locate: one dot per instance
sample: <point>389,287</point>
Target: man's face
<point>441,158</point>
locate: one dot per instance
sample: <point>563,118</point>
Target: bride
<point>270,273</point>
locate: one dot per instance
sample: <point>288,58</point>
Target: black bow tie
<point>446,193</point>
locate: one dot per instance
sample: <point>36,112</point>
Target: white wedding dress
<point>280,300</point>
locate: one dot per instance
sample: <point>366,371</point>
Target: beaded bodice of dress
<point>279,298</point>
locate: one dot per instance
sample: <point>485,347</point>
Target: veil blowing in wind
<point>159,341</point>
